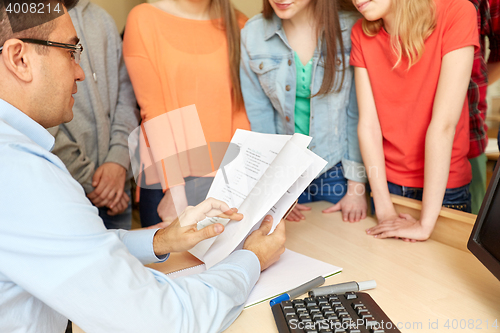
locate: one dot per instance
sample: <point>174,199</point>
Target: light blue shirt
<point>58,261</point>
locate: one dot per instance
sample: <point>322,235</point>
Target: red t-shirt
<point>404,99</point>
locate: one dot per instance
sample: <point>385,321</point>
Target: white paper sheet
<point>267,176</point>
<point>292,270</point>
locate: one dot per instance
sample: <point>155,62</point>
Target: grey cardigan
<point>105,109</point>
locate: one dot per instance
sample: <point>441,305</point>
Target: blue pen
<point>298,291</point>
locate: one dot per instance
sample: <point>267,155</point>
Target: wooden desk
<point>417,282</point>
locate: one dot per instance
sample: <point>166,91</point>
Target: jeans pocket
<point>457,196</point>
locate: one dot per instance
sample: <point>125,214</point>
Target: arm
<point>78,164</point>
<point>353,204</point>
<point>493,72</point>
<point>494,43</point>
<point>124,119</point>
<point>259,109</point>
<point>370,142</point>
<point>100,274</point>
<point>451,91</point>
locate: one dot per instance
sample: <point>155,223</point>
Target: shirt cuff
<point>119,155</point>
<point>354,171</point>
<point>140,244</point>
<point>248,261</point>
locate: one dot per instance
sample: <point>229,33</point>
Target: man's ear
<point>16,58</point>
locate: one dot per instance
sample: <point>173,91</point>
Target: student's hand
<point>108,182</point>
<point>267,248</point>
<point>353,204</point>
<point>176,238</point>
<point>295,215</point>
<point>405,227</point>
<point>174,200</point>
<point>121,206</point>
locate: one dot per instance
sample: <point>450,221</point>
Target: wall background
<point>119,9</point>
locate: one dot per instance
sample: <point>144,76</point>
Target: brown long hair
<point>414,22</point>
<point>225,10</point>
<point>329,33</point>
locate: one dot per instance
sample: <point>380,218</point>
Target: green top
<point>303,96</point>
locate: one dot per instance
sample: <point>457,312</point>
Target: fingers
<point>209,208</point>
<point>363,214</point>
<point>387,234</point>
<point>266,225</point>
<point>209,232</point>
<point>231,214</point>
<point>279,231</point>
<point>121,206</point>
<point>117,198</point>
<point>334,208</point>
<point>97,177</point>
<point>302,207</point>
<point>345,214</point>
<point>295,215</point>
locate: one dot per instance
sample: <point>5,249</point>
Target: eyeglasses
<point>76,50</point>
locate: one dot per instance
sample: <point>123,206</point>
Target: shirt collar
<point>273,26</point>
<point>27,126</point>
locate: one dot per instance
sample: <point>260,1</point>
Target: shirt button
<point>339,62</point>
<point>303,70</point>
<point>289,62</point>
<point>287,119</point>
<point>261,65</point>
<point>304,87</point>
<point>288,88</point>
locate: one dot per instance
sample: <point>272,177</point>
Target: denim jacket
<point>268,82</point>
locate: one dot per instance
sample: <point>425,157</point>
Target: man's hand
<point>295,215</point>
<point>353,204</point>
<point>268,248</point>
<point>174,200</point>
<point>109,182</point>
<point>404,227</point>
<point>120,206</point>
<point>178,238</point>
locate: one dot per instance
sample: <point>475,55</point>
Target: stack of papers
<point>266,176</point>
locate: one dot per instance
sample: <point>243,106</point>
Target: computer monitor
<point>484,241</point>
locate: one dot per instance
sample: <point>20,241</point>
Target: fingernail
<point>376,236</point>
<point>218,228</point>
<point>368,231</point>
<point>268,218</point>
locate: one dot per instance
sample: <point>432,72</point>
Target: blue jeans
<point>456,198</point>
<point>331,186</point>
<point>196,191</point>
<point>120,221</point>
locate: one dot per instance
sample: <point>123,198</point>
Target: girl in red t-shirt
<point>413,62</point>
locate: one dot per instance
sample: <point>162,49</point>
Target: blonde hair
<point>414,22</point>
